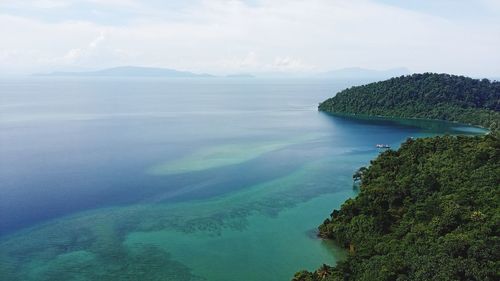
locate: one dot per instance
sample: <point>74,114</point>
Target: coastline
<point>143,219</point>
<point>331,228</point>
<point>401,120</point>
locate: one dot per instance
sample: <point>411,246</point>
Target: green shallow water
<point>268,249</point>
<point>262,233</point>
<point>222,155</point>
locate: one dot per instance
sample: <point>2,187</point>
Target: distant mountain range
<point>139,71</point>
<point>130,71</point>
<point>357,72</point>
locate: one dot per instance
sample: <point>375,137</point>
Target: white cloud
<point>289,64</point>
<point>249,62</point>
<point>48,4</point>
<point>76,54</point>
<point>491,4</point>
<point>123,3</point>
<point>231,36</point>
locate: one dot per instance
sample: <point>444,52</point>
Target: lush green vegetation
<point>428,96</point>
<point>429,211</point>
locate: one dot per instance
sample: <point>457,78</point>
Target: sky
<point>251,36</point>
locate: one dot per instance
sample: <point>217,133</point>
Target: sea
<point>216,179</point>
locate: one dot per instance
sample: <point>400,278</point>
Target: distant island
<point>430,210</point>
<point>240,75</point>
<point>131,71</point>
<point>363,73</point>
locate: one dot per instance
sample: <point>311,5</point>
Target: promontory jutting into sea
<point>264,140</point>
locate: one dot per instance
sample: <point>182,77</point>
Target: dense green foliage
<point>428,211</point>
<point>428,95</point>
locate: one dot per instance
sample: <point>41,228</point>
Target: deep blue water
<point>74,144</point>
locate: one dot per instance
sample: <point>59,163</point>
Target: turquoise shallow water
<point>150,179</point>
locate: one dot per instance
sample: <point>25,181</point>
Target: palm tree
<point>324,271</point>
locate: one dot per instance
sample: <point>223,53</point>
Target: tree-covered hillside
<point>428,95</point>
<point>428,211</point>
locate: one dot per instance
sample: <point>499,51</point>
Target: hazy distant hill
<point>356,72</point>
<point>240,75</point>
<point>131,71</point>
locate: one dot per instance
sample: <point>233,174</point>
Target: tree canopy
<point>429,211</point>
<point>428,96</point>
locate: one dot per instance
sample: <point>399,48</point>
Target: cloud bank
<point>246,36</point>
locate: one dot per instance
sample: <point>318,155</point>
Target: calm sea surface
<point>184,179</point>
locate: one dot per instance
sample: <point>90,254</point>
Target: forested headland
<point>427,96</point>
<point>431,209</point>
